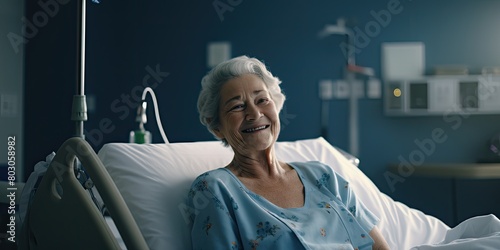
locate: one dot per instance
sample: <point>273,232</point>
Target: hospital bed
<point>144,187</point>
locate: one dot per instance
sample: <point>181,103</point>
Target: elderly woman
<point>257,201</point>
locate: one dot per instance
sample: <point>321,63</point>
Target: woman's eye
<point>263,100</point>
<point>237,107</point>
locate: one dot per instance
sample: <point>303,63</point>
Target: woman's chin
<point>259,141</point>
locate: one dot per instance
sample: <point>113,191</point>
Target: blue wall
<point>126,37</point>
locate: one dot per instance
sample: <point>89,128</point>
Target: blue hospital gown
<point>227,215</point>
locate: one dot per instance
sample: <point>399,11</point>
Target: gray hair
<point>211,84</point>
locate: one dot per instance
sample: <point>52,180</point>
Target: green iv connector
<point>140,135</point>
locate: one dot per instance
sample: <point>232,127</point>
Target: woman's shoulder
<point>214,179</point>
<point>213,174</point>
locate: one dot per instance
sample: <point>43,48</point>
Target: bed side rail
<point>62,214</point>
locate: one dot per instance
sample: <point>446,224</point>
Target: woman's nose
<point>252,112</point>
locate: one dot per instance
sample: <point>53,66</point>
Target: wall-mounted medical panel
<point>437,95</point>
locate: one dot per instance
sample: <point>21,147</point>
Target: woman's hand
<point>378,240</point>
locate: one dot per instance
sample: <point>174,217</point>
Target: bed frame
<point>61,204</point>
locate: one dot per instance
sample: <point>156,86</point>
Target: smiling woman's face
<point>248,115</point>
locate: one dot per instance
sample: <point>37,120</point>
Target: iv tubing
<point>157,114</point>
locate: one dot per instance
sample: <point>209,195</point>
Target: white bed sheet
<point>154,180</point>
<point>481,232</point>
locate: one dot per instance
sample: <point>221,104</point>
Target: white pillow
<point>154,180</point>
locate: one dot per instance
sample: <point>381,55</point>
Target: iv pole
<point>79,108</point>
<point>350,76</point>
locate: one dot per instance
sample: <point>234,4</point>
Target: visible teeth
<point>255,129</point>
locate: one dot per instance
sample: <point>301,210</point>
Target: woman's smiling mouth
<point>251,130</point>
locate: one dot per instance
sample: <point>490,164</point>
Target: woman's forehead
<point>243,84</point>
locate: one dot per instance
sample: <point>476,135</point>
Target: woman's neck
<point>257,165</point>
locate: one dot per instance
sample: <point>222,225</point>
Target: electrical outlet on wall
<point>341,89</point>
<point>326,89</point>
<point>374,88</point>
<point>358,87</point>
